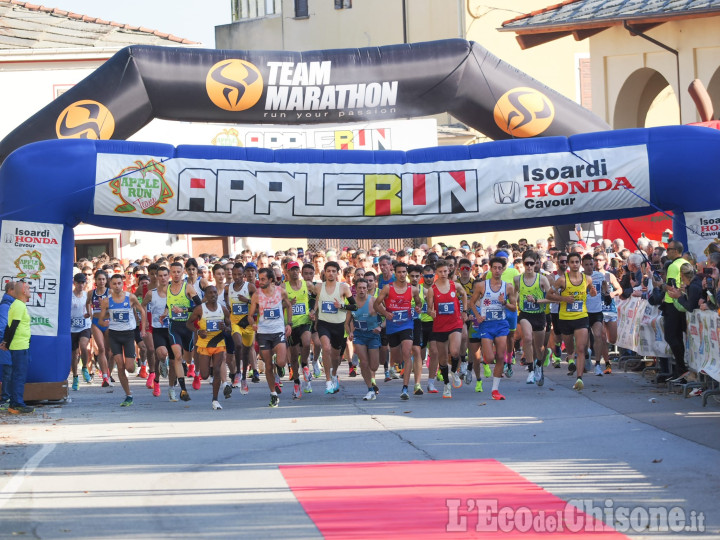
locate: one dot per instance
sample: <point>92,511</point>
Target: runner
<point>212,318</point>
<point>363,327</point>
<point>79,328</point>
<point>494,297</point>
<point>466,279</point>
<point>531,289</point>
<point>394,302</point>
<point>419,345</point>
<point>556,337</point>
<point>238,295</point>
<point>99,326</point>
<point>508,276</point>
<point>331,296</point>
<point>573,289</point>
<point>444,307</point>
<point>181,296</point>
<point>308,274</point>
<point>155,302</point>
<point>610,290</point>
<point>299,340</point>
<point>385,276</point>
<point>118,308</point>
<point>427,325</point>
<point>269,302</point>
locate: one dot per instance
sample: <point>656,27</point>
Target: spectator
<point>673,318</point>
<point>5,360</point>
<point>690,298</point>
<point>632,277</point>
<point>17,341</point>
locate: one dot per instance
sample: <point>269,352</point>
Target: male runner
<point>363,327</point>
<point>238,295</point>
<point>79,328</point>
<point>466,279</point>
<point>299,340</point>
<point>427,327</point>
<point>598,338</point>
<point>385,276</point>
<point>155,302</point>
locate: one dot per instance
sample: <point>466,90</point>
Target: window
<point>301,9</point>
<point>343,4</point>
<point>252,9</point>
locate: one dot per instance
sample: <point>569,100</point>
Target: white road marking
<point>6,493</point>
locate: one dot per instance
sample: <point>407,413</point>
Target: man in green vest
<point>674,319</point>
<point>17,341</point>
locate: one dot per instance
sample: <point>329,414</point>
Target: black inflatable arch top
<point>140,83</point>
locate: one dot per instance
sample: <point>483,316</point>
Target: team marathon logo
<point>524,112</point>
<point>298,90</point>
<point>143,187</point>
<point>85,119</point>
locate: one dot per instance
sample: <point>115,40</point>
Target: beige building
<point>331,24</point>
<point>643,54</point>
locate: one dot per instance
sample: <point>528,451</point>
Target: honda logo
<point>506,192</point>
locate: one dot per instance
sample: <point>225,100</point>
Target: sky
<point>191,19</point>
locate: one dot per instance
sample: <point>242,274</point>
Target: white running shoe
<point>216,406</point>
<point>447,391</point>
<point>456,380</point>
<point>336,384</point>
<point>370,396</point>
<point>468,376</point>
<point>172,394</point>
<point>463,368</point>
<point>531,378</point>
<point>431,387</point>
<point>598,370</point>
<point>329,387</point>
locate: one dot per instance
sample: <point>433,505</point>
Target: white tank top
<point>221,297</point>
<point>326,305</point>
<point>212,318</point>
<point>594,303</point>
<point>490,306</point>
<point>270,315</point>
<point>78,321</point>
<point>156,307</point>
<point>237,307</point>
<point>122,316</point>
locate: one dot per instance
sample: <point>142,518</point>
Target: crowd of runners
<point>448,317</point>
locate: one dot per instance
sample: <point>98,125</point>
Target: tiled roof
<point>29,26</point>
<point>578,13</point>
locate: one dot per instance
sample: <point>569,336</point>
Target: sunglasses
<point>529,263</point>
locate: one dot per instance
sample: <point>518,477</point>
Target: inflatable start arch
<point>48,187</point>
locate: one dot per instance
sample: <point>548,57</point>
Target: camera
<point>671,282</point>
<point>645,281</point>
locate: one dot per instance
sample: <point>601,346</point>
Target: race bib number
<point>424,308</point>
<point>361,325</point>
<point>328,307</point>
<point>181,315</point>
<point>400,316</point>
<point>494,315</point>
<point>446,308</point>
<point>240,309</point>
<point>166,323</point>
<point>212,326</point>
<point>299,309</point>
<point>77,322</point>
<point>121,316</point>
<point>530,306</point>
<point>575,307</point>
<point>271,314</point>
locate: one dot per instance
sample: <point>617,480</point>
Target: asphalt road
<point>91,469</point>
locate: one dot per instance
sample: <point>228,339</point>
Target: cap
<point>293,264</point>
<point>502,254</point>
<point>251,265</point>
<point>80,278</point>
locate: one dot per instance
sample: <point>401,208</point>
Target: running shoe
<point>370,396</point>
<point>556,362</point>
<point>463,368</point>
<point>291,374</point>
<point>530,378</point>
<point>112,379</point>
<point>191,371</point>
<point>387,375</point>
<point>468,376</point>
<point>227,390</point>
<point>548,357</point>
<point>236,381</point>
<point>184,395</point>
<point>336,384</point>
<point>143,374</point>
<point>508,371</point>
<point>307,387</point>
<point>4,406</point>
<point>75,383</point>
<point>172,394</point>
<point>216,405</point>
<point>281,372</point>
<point>278,388</point>
<point>164,368</point>
<point>375,387</point>
<point>316,369</point>
<point>296,391</point>
<point>156,389</point>
<point>329,387</point>
<point>274,401</point>
<point>608,369</point>
<point>107,384</point>
<point>431,387</point>
<point>418,390</point>
<point>255,376</point>
<point>196,382</point>
<point>244,387</point>
<point>447,391</point>
<point>598,370</point>
<point>86,375</point>
<point>150,381</point>
<point>128,401</point>
<point>487,371</point>
<point>478,386</point>
<point>571,367</point>
<point>353,371</point>
<point>404,394</point>
<point>20,410</point>
<point>456,380</point>
<point>306,374</point>
<point>539,374</point>
<point>579,385</point>
<point>496,395</point>
<point>438,377</point>
<point>393,373</point>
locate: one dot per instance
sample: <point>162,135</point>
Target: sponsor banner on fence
<point>31,252</point>
<point>704,229</point>
<point>640,328</point>
<point>702,349</point>
<point>489,189</point>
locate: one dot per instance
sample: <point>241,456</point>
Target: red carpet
<point>431,499</point>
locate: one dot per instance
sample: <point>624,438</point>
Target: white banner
<point>489,189</point>
<point>702,349</point>
<point>640,328</point>
<point>704,229</point>
<point>31,251</point>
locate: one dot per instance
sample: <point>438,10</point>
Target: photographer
<point>632,277</point>
<point>673,319</point>
<point>689,300</point>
